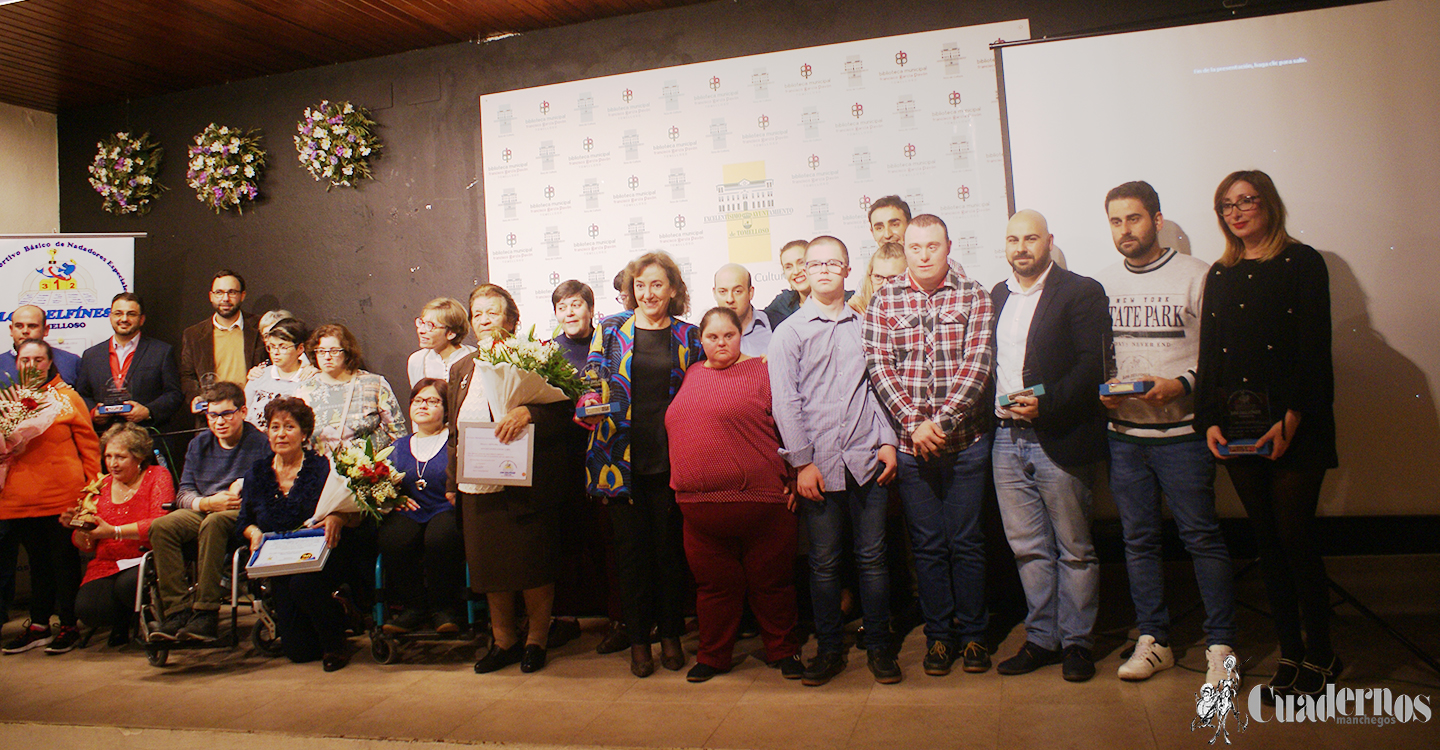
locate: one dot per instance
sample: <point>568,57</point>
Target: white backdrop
<point>1341,107</point>
<point>72,277</point>
<point>728,160</point>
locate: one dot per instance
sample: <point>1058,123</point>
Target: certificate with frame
<point>483,459</point>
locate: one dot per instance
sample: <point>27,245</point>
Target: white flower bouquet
<point>363,480</point>
<point>225,167</point>
<point>123,173</point>
<point>25,413</point>
<point>335,143</point>
<point>518,371</point>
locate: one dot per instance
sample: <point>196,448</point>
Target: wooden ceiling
<point>57,54</point>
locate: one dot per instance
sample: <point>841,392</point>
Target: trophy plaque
<point>114,400</point>
<point>1007,400</point>
<point>207,381</point>
<point>85,518</point>
<point>1132,388</point>
<point>1246,418</point>
<point>594,383</point>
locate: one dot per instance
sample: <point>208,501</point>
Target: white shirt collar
<point>239,323</point>
<point>1014,284</point>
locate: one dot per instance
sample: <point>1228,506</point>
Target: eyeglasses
<point>329,352</point>
<point>427,401</point>
<point>622,299</point>
<point>425,326</point>
<point>1247,203</point>
<point>883,280</point>
<point>279,347</point>
<point>835,265</point>
<point>226,292</point>
<point>219,415</point>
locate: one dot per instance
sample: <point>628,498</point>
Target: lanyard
<point>117,370</point>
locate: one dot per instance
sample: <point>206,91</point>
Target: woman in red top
<point>731,485</point>
<point>130,497</point>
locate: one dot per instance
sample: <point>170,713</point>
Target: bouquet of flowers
<point>123,173</point>
<point>361,479</point>
<point>25,413</point>
<point>225,167</point>
<point>335,143</point>
<point>519,371</point>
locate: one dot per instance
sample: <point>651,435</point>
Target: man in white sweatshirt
<point>1155,296</point>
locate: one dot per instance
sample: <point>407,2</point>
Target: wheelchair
<point>385,647</point>
<point>148,612</point>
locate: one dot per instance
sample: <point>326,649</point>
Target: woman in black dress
<point>1265,331</point>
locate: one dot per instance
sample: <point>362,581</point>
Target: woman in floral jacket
<point>642,355</point>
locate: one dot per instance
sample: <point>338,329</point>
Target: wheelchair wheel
<point>157,656</point>
<point>265,639</point>
<point>385,650</point>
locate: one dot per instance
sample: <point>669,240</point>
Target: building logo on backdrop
<point>544,107</point>
<point>506,155</point>
<point>679,221</point>
<point>554,278</point>
<point>714,83</point>
<point>588,144</point>
<point>855,71</point>
<point>857,110</point>
<point>549,192</point>
<point>963,192</point>
<point>813,162</point>
<point>674,132</point>
<point>950,56</point>
<point>627,95</point>
<point>504,116</point>
<point>746,201</point>
<point>909,151</point>
<point>954,98</point>
<point>671,93</point>
<point>810,121</point>
<point>631,143</point>
<point>593,231</point>
<point>865,204</point>
<point>633,182</point>
<point>511,239</point>
<point>901,58</point>
<point>763,121</point>
<point>760,82</point>
<point>806,71</point>
<point>861,160</point>
<point>586,105</point>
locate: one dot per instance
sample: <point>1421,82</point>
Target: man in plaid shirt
<point>929,354</point>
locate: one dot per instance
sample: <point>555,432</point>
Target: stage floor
<point>100,697</point>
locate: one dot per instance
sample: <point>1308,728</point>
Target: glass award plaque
<point>1245,419</point>
<point>113,402</point>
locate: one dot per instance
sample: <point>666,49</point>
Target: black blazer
<point>559,475</point>
<point>153,379</point>
<point>1065,351</point>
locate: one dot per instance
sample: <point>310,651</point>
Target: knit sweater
<point>51,474</point>
<point>211,467</point>
<point>1155,316</point>
<point>723,443</point>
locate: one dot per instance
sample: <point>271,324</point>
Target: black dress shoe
<point>499,658</point>
<point>1312,678</point>
<point>1030,658</point>
<point>616,639</point>
<point>335,660</point>
<point>1077,664</point>
<point>562,631</point>
<point>702,672</point>
<point>883,665</point>
<point>119,636</point>
<point>533,659</point>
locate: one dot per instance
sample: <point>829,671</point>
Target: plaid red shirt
<point>930,356</point>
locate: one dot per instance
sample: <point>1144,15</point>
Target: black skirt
<point>508,551</point>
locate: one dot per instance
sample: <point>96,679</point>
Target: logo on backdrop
<point>806,71</point>
<point>1372,706</point>
<point>544,108</point>
<point>1214,706</point>
<point>901,58</point>
<point>71,280</point>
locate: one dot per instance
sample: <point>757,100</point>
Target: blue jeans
<point>1046,509</point>
<point>1185,472</point>
<point>943,498</point>
<point>863,505</point>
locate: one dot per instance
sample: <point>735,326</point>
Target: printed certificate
<point>485,460</point>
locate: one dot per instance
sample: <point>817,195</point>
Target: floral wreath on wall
<point>123,173</point>
<point>225,167</point>
<point>335,143</point>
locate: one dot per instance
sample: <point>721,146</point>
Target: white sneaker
<point>1149,658</point>
<point>1217,669</point>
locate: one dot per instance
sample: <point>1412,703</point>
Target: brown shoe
<point>642,661</point>
<point>616,639</point>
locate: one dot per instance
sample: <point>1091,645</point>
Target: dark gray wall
<point>369,258</point>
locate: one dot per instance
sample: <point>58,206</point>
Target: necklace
<point>426,444</point>
<point>125,491</point>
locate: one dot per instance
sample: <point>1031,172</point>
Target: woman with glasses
<point>1265,343</point>
<point>643,354</point>
<point>350,404</point>
<point>285,342</point>
<point>887,264</point>
<point>423,552</point>
<point>442,325</point>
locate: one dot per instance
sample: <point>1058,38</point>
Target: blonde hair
<point>887,251</point>
<point>1276,238</point>
<point>453,317</point>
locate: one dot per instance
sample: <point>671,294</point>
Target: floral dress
<point>362,407</point>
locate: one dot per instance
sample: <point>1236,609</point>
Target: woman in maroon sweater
<point>731,486</point>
